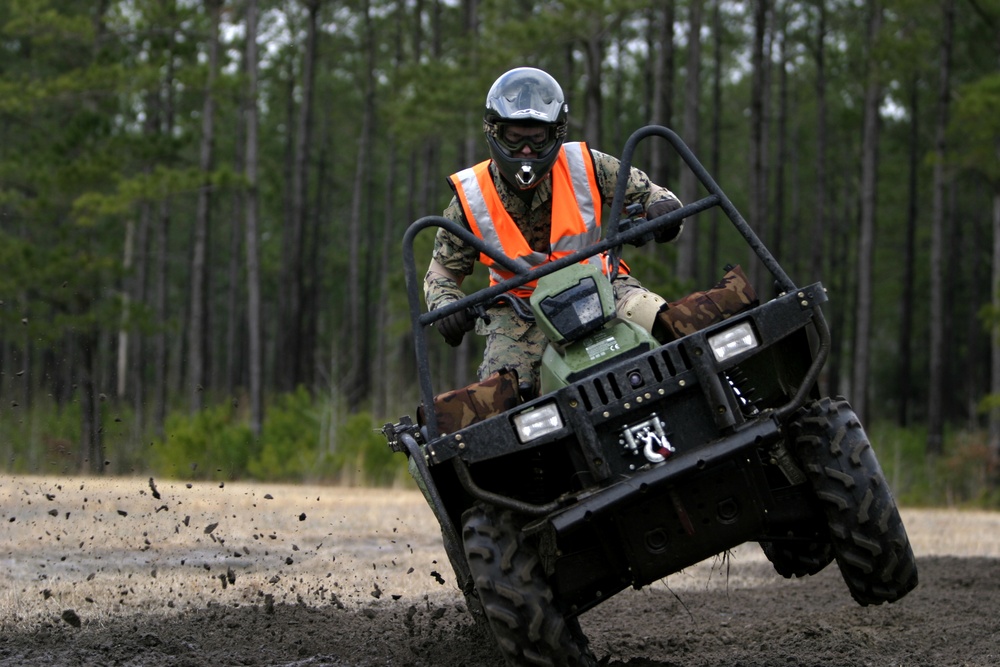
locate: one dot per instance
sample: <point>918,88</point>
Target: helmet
<point>532,103</point>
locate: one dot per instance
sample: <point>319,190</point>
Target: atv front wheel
<point>516,597</point>
<point>869,540</point>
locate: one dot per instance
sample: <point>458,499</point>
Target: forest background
<point>202,203</point>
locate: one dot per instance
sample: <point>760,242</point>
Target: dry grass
<point>109,548</point>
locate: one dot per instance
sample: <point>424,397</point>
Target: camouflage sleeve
<point>439,290</point>
<point>452,254</point>
<point>639,188</point>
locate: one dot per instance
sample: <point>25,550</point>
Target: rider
<point>538,198</point>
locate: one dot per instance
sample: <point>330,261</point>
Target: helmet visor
<point>526,95</point>
<point>512,137</point>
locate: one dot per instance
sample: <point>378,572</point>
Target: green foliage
<point>43,438</point>
<point>289,443</point>
<point>217,443</point>
<point>960,477</point>
<point>213,444</point>
<point>362,455</point>
<point>130,191</point>
<point>654,267</point>
<point>297,444</point>
<point>976,126</point>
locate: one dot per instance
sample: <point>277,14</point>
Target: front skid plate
<point>662,520</point>
<point>634,489</point>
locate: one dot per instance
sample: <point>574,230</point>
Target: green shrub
<point>965,470</point>
<point>296,444</point>
<point>212,444</point>
<point>42,439</point>
<point>901,453</point>
<point>289,448</point>
<point>361,455</point>
<point>959,477</point>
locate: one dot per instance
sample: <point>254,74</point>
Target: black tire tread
<point>517,600</point>
<point>869,540</point>
<point>797,558</point>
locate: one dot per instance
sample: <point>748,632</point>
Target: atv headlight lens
<point>533,424</point>
<point>733,341</point>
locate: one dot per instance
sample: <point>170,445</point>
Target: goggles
<point>513,138</point>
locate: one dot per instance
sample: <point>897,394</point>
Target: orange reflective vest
<point>576,214</point>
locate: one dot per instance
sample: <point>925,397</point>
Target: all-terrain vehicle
<point>638,459</point>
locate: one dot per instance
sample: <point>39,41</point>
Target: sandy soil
<point>141,572</point>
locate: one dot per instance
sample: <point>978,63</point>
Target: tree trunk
<point>866,237</point>
<point>91,440</point>
<point>994,415</point>
<point>593,52</point>
<point>651,38</point>
<point>255,352</point>
<point>140,282</point>
<point>285,338</point>
<point>687,257</point>
<point>291,360</point>
<point>909,264</point>
<point>358,376</point>
<point>781,149</point>
<point>816,263</point>
<point>235,340</point>
<point>663,94</point>
<point>160,307</point>
<point>939,236</point>
<point>315,243</point>
<point>137,351</point>
<point>840,273</point>
<point>121,366</point>
<point>715,156</point>
<point>757,147</point>
<point>198,324</point>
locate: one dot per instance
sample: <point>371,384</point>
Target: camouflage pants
<point>513,343</point>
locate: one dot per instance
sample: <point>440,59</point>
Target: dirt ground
<point>148,572</point>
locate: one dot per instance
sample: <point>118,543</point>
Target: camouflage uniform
<point>510,341</point>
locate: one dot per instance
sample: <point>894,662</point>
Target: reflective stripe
<point>577,241</point>
<point>580,180</point>
<point>476,205</point>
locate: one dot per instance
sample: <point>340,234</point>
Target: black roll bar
<point>613,238</point>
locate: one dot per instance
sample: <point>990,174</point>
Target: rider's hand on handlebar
<point>454,326</point>
<point>662,207</point>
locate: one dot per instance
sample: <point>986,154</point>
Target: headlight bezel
<point>536,423</point>
<point>733,341</point>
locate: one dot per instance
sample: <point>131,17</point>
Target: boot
<point>731,295</point>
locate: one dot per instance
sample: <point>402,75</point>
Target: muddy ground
<point>147,572</point>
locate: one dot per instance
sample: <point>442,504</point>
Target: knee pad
<point>641,307</point>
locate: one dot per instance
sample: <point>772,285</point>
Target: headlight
<point>576,311</point>
<point>533,424</point>
<point>733,341</point>
<point>573,302</point>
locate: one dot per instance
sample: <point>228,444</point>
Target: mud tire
<point>797,558</point>
<point>515,596</point>
<point>868,537</point>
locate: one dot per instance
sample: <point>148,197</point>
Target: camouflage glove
<point>662,207</point>
<point>454,326</point>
